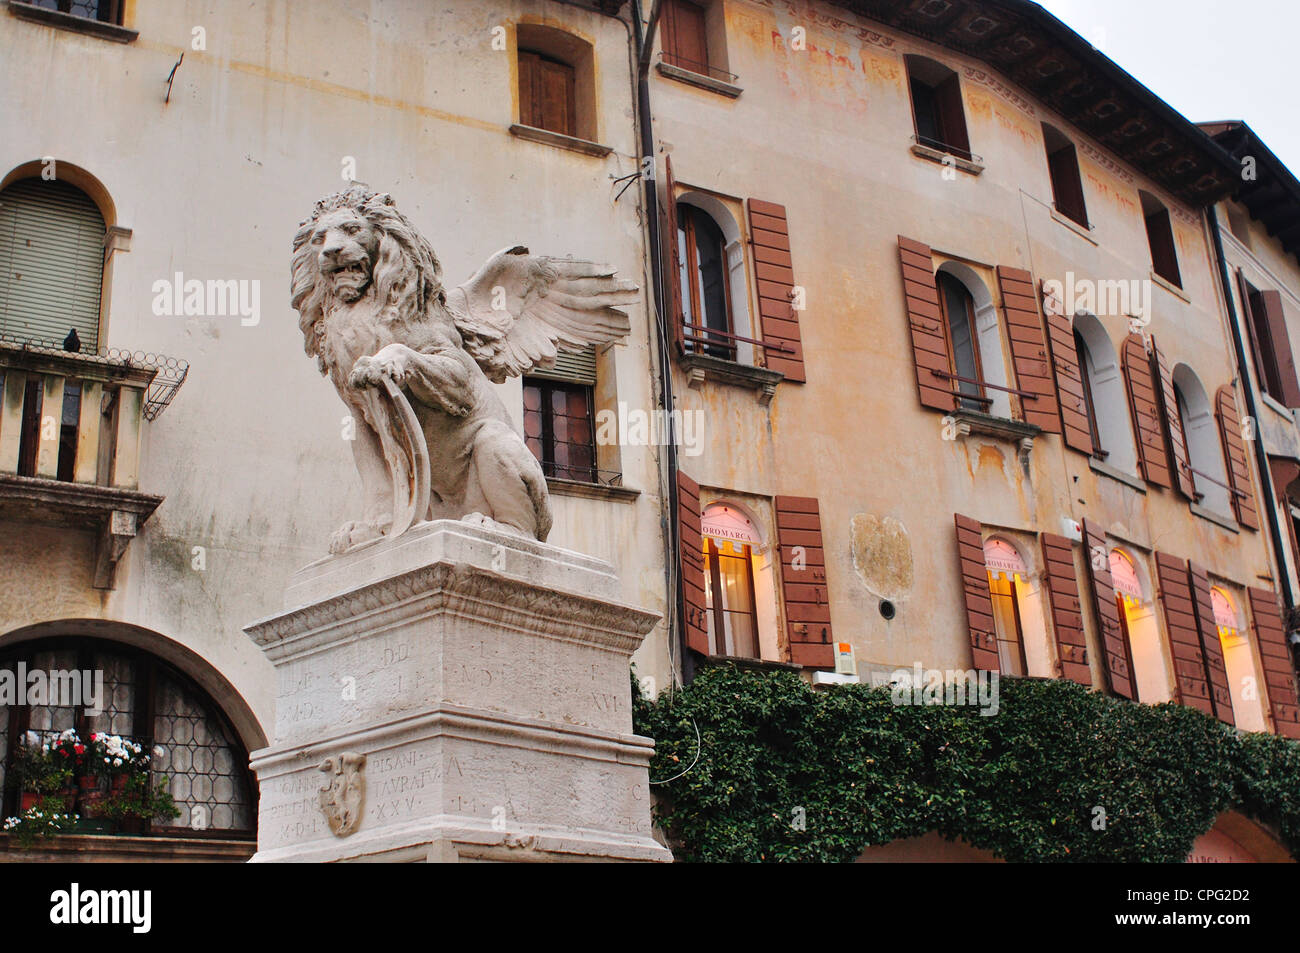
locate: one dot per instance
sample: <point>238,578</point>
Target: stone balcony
<point>70,433</point>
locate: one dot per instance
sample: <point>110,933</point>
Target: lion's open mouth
<point>349,278</point>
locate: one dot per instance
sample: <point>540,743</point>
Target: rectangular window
<point>937,108</point>
<point>1067,184</point>
<point>559,428</point>
<point>1261,338</point>
<point>1006,620</point>
<point>685,39</point>
<point>729,591</point>
<point>1164,256</point>
<point>547,94</point>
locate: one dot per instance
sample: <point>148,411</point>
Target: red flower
<point>63,751</point>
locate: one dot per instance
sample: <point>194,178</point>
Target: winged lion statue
<point>415,362</point>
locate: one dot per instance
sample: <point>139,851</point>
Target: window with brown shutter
<point>1067,616</point>
<point>937,111</point>
<point>1199,583</point>
<point>705,283</point>
<point>1234,454</point>
<point>1180,461</point>
<point>803,581</point>
<point>1270,342</point>
<point>1184,633</point>
<point>547,93</point>
<point>1029,355</point>
<point>1067,183</point>
<point>684,35</point>
<point>1114,639</point>
<point>925,324</point>
<point>695,622</point>
<point>1144,405</point>
<point>769,234</point>
<point>1275,657</point>
<point>975,589</point>
<point>671,263</point>
<point>1160,237</point>
<point>1071,389</point>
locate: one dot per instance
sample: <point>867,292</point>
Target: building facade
<point>936,362</point>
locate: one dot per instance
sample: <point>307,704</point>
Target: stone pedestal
<point>460,694</point>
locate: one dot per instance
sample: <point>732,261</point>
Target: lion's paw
<point>351,534</point>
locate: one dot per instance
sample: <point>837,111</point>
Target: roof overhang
<point>1272,196</point>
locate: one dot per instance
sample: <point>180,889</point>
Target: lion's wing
<point>519,310</point>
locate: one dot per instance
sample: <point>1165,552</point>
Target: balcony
<point>70,431</point>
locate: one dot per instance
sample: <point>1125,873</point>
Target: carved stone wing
<point>520,309</point>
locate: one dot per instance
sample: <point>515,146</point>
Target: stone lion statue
<point>414,362</point>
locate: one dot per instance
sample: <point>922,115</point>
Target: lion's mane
<point>406,278</point>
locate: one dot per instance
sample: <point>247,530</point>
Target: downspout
<point>1261,455</point>
<point>644,45</point>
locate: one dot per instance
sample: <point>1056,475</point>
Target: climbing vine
<point>757,766</point>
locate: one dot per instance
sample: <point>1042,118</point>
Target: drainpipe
<point>1261,455</point>
<point>644,45</point>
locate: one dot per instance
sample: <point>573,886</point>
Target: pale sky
<point>1209,59</point>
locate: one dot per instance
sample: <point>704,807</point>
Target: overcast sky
<point>1209,59</point>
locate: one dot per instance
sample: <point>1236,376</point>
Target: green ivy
<point>781,772</point>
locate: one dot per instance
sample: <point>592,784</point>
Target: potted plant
<point>45,818</point>
<point>42,772</point>
<point>140,801</point>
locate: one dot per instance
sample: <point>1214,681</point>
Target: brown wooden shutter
<point>685,42</point>
<point>1115,652</point>
<point>1164,254</point>
<point>925,321</point>
<point>696,606</point>
<point>529,93</point>
<point>770,235</point>
<point>807,604</point>
<point>1067,369</point>
<point>1145,408</point>
<point>1199,582</point>
<point>952,116</point>
<point>1284,358</point>
<point>1176,440</point>
<point>1067,184</point>
<point>975,586</point>
<point>1184,634</point>
<point>1029,348</point>
<point>1067,617</point>
<point>672,262</point>
<point>1275,655</point>
<point>1234,455</point>
<point>558,98</point>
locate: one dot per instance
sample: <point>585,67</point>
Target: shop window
<point>1238,660</point>
<point>193,748</point>
<point>1140,629</point>
<point>731,544</point>
<point>1007,572</point>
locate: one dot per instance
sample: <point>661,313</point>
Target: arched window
<point>972,329</point>
<point>1238,661</point>
<point>1201,440</point>
<point>1007,571</point>
<point>711,258</point>
<point>1104,391</point>
<point>730,541</point>
<point>1139,628</point>
<point>1063,167</point>
<point>1160,236</point>
<point>51,263</point>
<point>120,690</point>
<point>557,86</point>
<point>937,109</point>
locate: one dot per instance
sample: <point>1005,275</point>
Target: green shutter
<point>576,368</point>
<point>51,263</point>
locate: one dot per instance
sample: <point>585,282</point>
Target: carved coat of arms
<point>343,797</point>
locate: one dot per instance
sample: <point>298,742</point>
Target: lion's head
<point>357,244</point>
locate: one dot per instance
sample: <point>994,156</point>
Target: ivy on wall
<point>781,772</point>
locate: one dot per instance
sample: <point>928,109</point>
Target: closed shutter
<point>952,116</point>
<point>695,604</point>
<point>558,98</point>
<point>1275,656</point>
<point>769,233</point>
<point>1199,581</point>
<point>51,263</point>
<point>1115,652</point>
<point>1234,455</point>
<point>1144,405</point>
<point>1068,371</point>
<point>1184,634</point>
<point>1284,358</point>
<point>1176,440</point>
<point>975,588</point>
<point>925,322</point>
<point>685,42</point>
<point>672,262</point>
<point>1067,616</point>
<point>530,95</point>
<point>578,367</point>
<point>803,577</point>
<point>1029,349</point>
